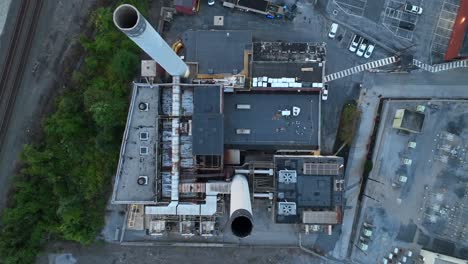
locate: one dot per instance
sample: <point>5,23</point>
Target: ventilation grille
<point>286,208</point>
<point>287,176</point>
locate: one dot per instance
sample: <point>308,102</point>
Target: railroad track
<point>16,59</point>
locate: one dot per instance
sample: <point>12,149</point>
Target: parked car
<point>211,2</point>
<point>413,9</point>
<point>406,25</point>
<point>362,48</point>
<point>369,50</point>
<point>325,93</point>
<point>333,29</point>
<point>355,43</point>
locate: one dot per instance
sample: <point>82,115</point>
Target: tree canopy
<point>62,189</point>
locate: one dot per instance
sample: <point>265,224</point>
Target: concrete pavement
<point>444,85</point>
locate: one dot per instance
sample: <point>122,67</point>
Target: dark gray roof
<point>314,191</point>
<point>217,51</point>
<point>270,130</point>
<point>311,191</point>
<point>207,134</point>
<point>207,100</point>
<point>289,70</point>
<point>254,4</point>
<point>207,121</point>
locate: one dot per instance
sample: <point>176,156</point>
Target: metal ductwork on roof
<point>134,25</point>
<point>241,207</point>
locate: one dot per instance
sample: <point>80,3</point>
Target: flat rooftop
<point>430,209</point>
<point>138,152</point>
<point>268,129</point>
<point>313,189</point>
<point>207,121</point>
<point>288,51</point>
<point>217,52</point>
<point>258,4</point>
<point>412,120</point>
<point>311,72</point>
<point>303,61</point>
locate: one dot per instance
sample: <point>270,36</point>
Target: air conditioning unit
<point>287,176</point>
<point>142,180</point>
<point>286,208</point>
<point>144,107</point>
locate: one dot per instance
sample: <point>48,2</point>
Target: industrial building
<point>239,122</point>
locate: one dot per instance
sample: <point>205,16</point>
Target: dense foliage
<point>348,122</point>
<point>62,190</point>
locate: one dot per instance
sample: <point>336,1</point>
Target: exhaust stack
<point>134,25</point>
<point>241,207</point>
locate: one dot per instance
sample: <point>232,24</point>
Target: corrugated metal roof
<point>320,217</point>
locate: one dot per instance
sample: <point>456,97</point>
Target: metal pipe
<point>264,195</point>
<point>134,25</point>
<point>241,207</point>
<point>242,171</point>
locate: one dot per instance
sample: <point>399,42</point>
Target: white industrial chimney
<point>241,207</point>
<point>134,25</point>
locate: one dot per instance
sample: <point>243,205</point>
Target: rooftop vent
<point>144,135</point>
<point>243,131</point>
<point>143,150</point>
<point>142,180</point>
<point>286,208</point>
<point>143,106</point>
<point>287,176</point>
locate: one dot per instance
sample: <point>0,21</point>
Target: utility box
<point>148,68</point>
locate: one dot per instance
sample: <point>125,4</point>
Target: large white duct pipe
<point>243,171</point>
<point>241,207</point>
<point>175,140</point>
<point>134,25</point>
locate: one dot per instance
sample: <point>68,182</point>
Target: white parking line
<point>447,3</point>
<point>435,34</point>
<point>352,6</point>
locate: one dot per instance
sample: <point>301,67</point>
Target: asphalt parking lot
<point>443,29</point>
<point>385,22</point>
<point>369,9</point>
<point>430,208</point>
<point>394,14</point>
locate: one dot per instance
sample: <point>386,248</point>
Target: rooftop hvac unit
<point>143,106</point>
<point>287,176</point>
<point>286,208</point>
<point>142,180</point>
<point>148,68</point>
<point>243,131</point>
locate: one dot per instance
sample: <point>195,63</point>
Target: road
<point>113,254</point>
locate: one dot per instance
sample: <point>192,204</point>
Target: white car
<point>333,29</point>
<point>211,2</point>
<point>362,48</point>
<point>413,9</point>
<point>355,43</point>
<point>325,93</point>
<point>369,50</point>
